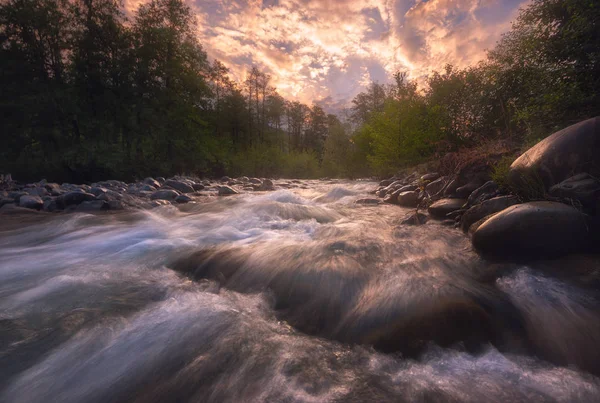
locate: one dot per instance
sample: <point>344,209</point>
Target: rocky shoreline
<point>503,221</point>
<point>114,195</point>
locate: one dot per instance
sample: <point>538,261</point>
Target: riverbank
<point>545,204</point>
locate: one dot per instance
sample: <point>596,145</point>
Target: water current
<point>296,295</point>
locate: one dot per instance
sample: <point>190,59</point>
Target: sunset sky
<point>328,50</point>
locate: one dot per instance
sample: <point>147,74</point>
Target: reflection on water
<point>285,296</point>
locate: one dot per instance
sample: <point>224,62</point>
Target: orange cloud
<point>329,49</point>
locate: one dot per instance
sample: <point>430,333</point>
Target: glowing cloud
<point>330,49</point>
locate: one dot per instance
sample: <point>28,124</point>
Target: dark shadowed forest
<point>88,93</point>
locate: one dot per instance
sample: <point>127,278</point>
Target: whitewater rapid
<point>289,296</point>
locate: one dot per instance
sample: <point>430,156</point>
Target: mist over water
<point>290,296</point>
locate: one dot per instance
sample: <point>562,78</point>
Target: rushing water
<point>290,296</point>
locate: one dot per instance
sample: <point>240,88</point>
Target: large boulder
<point>179,186</point>
<point>488,207</point>
<point>537,229</point>
<point>570,151</point>
<point>441,208</point>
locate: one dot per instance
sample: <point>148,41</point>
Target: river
<point>295,295</point>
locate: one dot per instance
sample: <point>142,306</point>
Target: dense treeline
<point>542,76</point>
<point>87,94</point>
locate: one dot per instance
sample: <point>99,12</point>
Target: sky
<point>329,50</point>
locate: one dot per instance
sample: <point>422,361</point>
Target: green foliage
<point>500,172</point>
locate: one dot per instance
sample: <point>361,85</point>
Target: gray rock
<point>50,206</point>
<point>94,205</point>
<point>197,186</point>
<point>430,177</point>
<point>367,201</point>
<point>408,199</point>
<point>152,182</point>
<point>225,179</point>
<point>115,205</point>
<point>570,151</point>
<point>537,230</point>
<point>485,192</point>
<point>37,191</point>
<point>98,190</point>
<point>179,186</point>
<point>582,187</point>
<point>488,207</point>
<point>161,180</point>
<point>415,219</point>
<point>465,191</point>
<point>267,184</point>
<point>407,188</point>
<point>183,199</point>
<point>441,208</point>
<point>16,196</point>
<point>255,181</point>
<point>32,202</point>
<point>74,198</point>
<point>386,182</point>
<point>226,191</point>
<point>148,188</point>
<point>164,194</point>
<point>436,187</point>
<point>7,201</point>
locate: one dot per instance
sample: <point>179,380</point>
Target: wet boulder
<point>582,187</point>
<point>164,194</point>
<point>569,151</point>
<point>267,184</point>
<point>179,186</point>
<point>488,207</point>
<point>487,191</point>
<point>198,186</point>
<point>386,182</point>
<point>152,182</point>
<point>408,199</point>
<point>91,206</point>
<point>31,202</point>
<point>226,191</point>
<point>182,199</point>
<point>537,229</point>
<point>441,208</point>
<point>465,191</point>
<point>430,177</point>
<point>436,187</point>
<point>74,198</point>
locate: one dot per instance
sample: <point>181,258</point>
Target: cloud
<point>328,50</point>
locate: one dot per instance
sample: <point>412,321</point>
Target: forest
<point>88,93</point>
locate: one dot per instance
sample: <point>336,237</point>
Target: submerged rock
<point>441,208</point>
<point>74,198</point>
<point>536,229</point>
<point>367,201</point>
<point>415,219</point>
